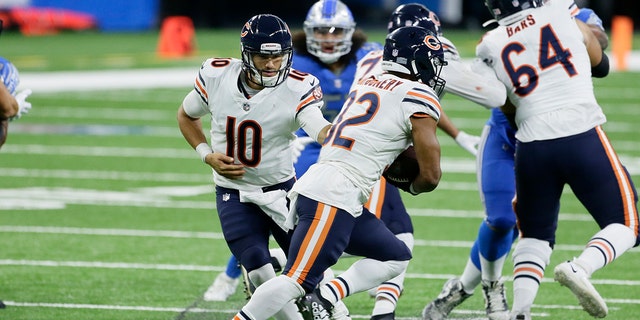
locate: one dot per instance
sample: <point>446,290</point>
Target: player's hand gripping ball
<point>403,170</point>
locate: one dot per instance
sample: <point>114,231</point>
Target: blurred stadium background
<point>140,15</point>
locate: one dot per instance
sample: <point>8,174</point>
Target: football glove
<point>468,142</point>
<point>298,145</point>
<point>23,105</point>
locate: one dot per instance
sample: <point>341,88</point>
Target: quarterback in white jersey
<point>380,118</point>
<point>257,130</point>
<point>546,59</point>
<point>255,104</point>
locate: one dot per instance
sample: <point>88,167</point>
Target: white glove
<point>23,105</point>
<point>298,145</point>
<point>468,142</point>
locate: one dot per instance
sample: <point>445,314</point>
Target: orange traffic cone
<point>176,37</point>
<point>621,38</point>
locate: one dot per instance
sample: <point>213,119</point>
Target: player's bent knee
<point>407,238</point>
<point>502,225</point>
<point>262,274</point>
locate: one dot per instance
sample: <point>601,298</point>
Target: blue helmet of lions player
<point>9,75</point>
<point>414,14</point>
<point>328,27</point>
<point>505,11</point>
<point>266,35</point>
<point>417,52</point>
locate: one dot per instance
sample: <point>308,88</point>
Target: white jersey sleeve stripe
<point>310,97</point>
<point>201,89</point>
<point>431,99</point>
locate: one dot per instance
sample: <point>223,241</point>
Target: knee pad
<point>502,223</point>
<point>262,274</point>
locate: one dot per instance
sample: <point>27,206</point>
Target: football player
<point>380,119</point>
<point>496,182</point>
<point>479,89</point>
<point>255,105</point>
<point>545,58</point>
<point>12,105</point>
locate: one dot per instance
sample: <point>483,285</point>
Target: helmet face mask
<point>266,38</point>
<point>416,52</point>
<point>414,14</point>
<point>506,11</point>
<point>328,27</point>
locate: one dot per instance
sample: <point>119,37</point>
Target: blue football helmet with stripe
<point>328,27</point>
<point>266,34</point>
<point>417,52</point>
<point>414,14</point>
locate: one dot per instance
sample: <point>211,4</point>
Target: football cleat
<point>313,307</point>
<point>386,316</point>
<point>249,288</point>
<point>520,315</point>
<point>340,311</point>
<point>495,301</point>
<point>221,289</point>
<point>452,295</point>
<point>572,276</point>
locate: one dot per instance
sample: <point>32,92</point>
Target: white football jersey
<point>477,82</point>
<point>543,62</point>
<point>257,132</point>
<point>370,131</point>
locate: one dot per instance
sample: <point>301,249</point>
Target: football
<point>403,170</point>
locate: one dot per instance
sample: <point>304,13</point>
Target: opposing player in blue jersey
<point>496,179</point>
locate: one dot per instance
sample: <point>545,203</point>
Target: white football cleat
<point>572,276</point>
<point>495,301</point>
<point>452,295</point>
<point>221,289</point>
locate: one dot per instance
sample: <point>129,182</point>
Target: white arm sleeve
<point>310,119</point>
<point>476,82</point>
<point>193,106</point>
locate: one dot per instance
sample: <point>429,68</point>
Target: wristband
<point>203,150</point>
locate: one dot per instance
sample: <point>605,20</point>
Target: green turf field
<point>106,212</point>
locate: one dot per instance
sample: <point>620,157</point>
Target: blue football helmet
<point>503,9</point>
<point>9,75</point>
<point>328,27</point>
<point>266,34</point>
<point>414,14</point>
<point>417,52</point>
